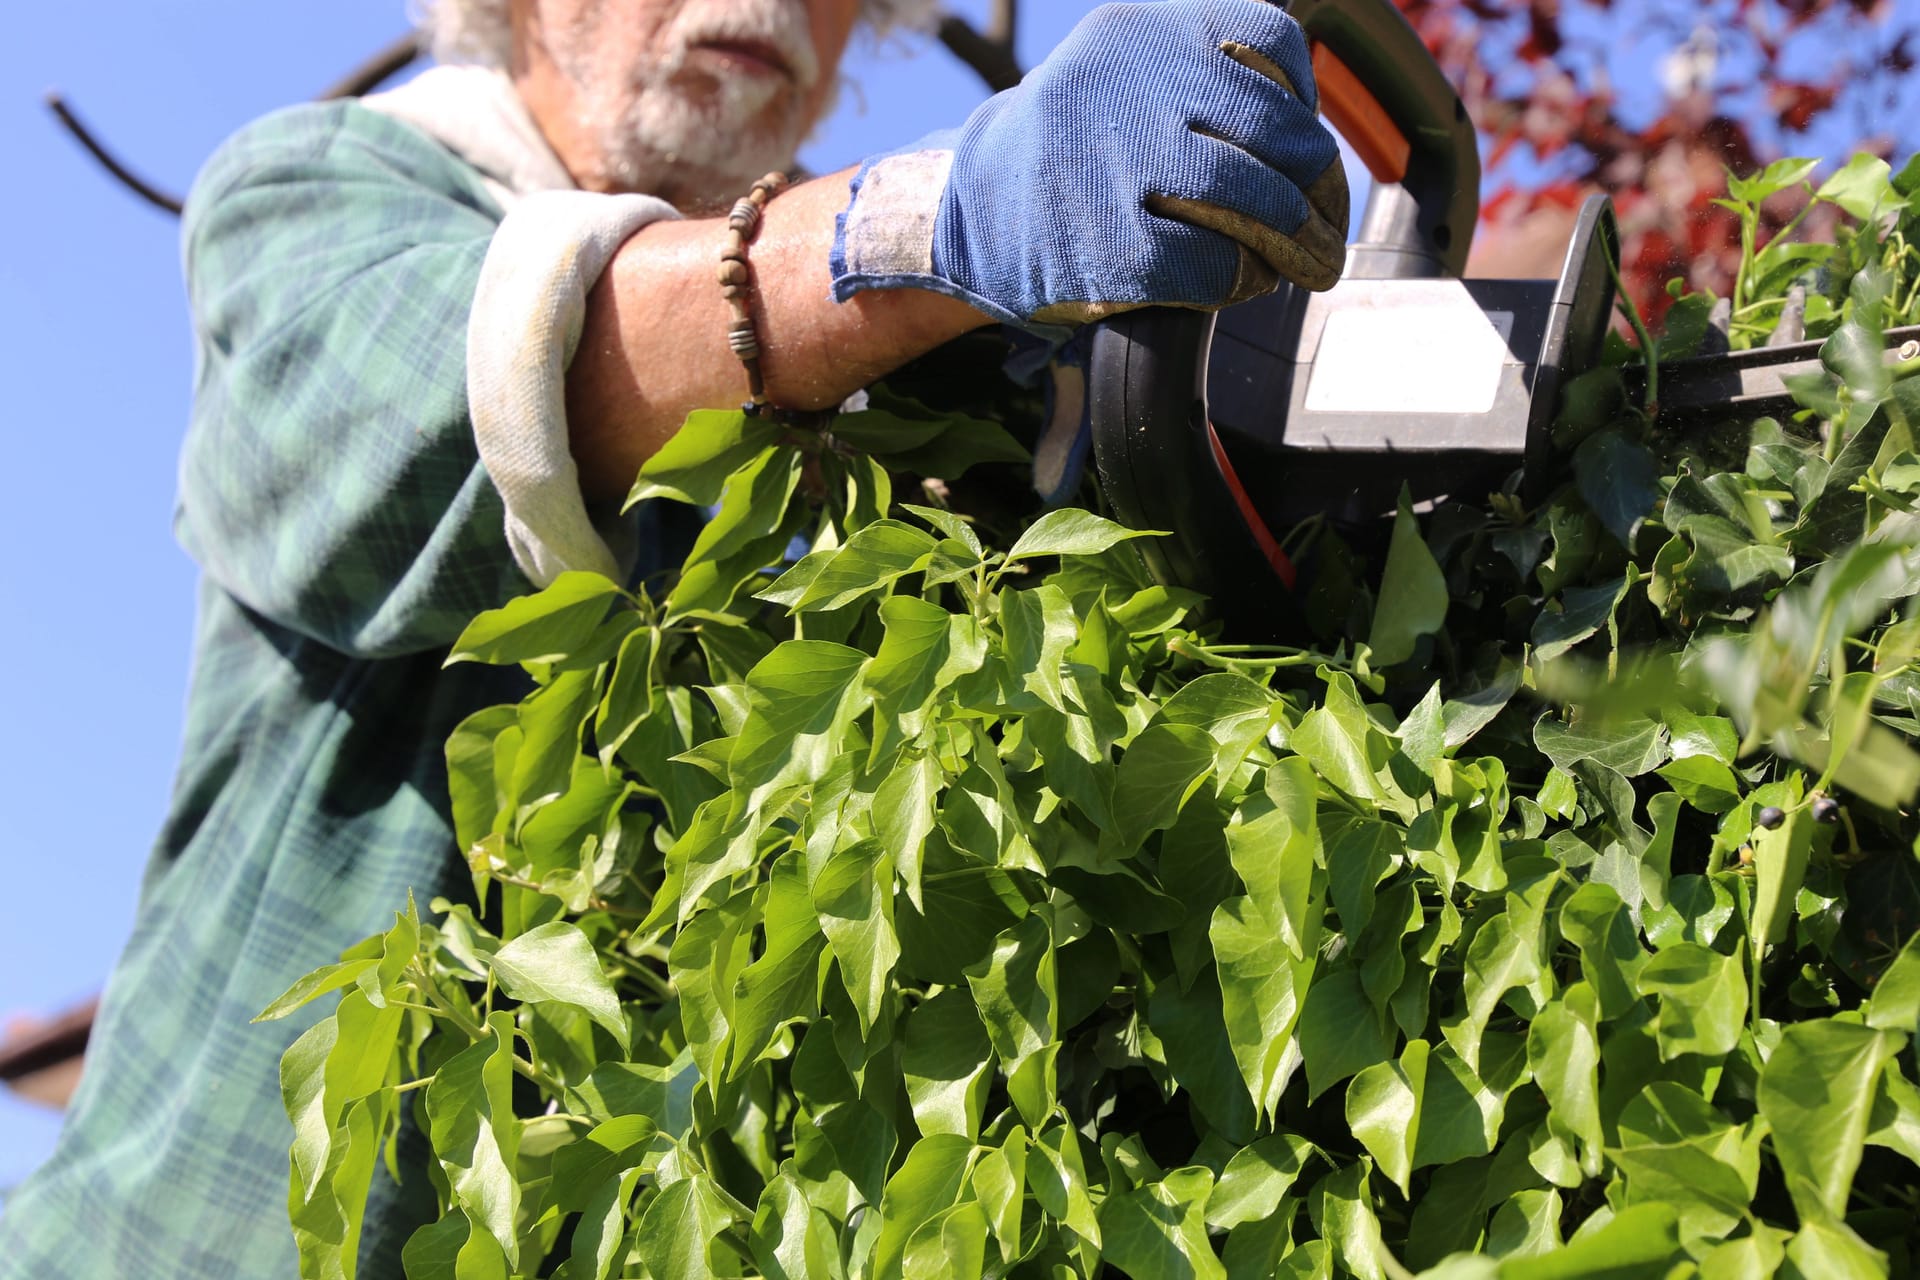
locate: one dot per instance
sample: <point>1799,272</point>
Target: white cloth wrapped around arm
<point>527,317</point>
<point>530,306</point>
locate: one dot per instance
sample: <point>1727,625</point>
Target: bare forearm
<point>654,347</point>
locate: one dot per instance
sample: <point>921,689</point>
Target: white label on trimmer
<point>1418,358</point>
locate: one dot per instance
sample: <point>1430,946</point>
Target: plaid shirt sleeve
<point>329,479</point>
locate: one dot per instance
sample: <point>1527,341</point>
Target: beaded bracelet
<point>737,288</point>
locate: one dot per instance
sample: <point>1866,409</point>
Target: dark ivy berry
<point>1771,817</point>
<point>1826,809</point>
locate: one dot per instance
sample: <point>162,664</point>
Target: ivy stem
<point>432,992</point>
<point>535,1074</point>
<point>594,901</point>
<point>1648,352</point>
<point>1217,656</point>
<point>648,978</point>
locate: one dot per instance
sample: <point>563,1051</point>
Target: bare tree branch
<point>369,75</point>
<point>991,57</point>
<point>108,161</point>
<point>377,70</point>
<point>990,54</point>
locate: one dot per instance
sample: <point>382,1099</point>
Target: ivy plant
<point>951,901</point>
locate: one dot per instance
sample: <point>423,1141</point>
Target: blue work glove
<point>1165,154</point>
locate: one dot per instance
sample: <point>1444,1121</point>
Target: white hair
<point>477,31</point>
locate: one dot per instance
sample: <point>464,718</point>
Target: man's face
<point>690,99</point>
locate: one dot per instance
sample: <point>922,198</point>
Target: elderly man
<point>438,331</point>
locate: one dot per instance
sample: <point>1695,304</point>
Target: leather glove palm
<point>1165,154</point>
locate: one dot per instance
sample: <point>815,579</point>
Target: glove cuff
<point>885,237</point>
<point>887,228</point>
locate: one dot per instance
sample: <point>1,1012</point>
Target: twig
<point>989,54</point>
<point>1648,351</point>
<point>108,161</point>
<point>377,70</point>
<point>382,66</point>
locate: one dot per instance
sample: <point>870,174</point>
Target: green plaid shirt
<point>330,489</point>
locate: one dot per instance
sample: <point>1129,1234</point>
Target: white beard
<point>653,136</point>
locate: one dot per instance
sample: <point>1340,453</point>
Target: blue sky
<point>94,351</point>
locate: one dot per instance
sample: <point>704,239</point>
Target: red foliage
<point>1721,85</point>
<point>1796,103</point>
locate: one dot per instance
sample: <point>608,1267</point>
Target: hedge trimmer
<point>1239,434</point>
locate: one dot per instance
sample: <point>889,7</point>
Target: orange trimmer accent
<point>1358,116</point>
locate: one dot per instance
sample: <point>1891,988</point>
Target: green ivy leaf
<point>1816,1094</point>
<point>1896,995</point>
<point>678,1236</point>
<point>1862,187</point>
<point>599,1234</point>
<point>947,1064</point>
<point>1348,750</point>
<point>1702,999</point>
<point>1056,1171</point>
<point>629,698</point>
<point>951,524</point>
<point>1014,990</point>
<point>1630,749</point>
<point>952,1242</point>
<point>582,1170</point>
<point>854,896</point>
<point>694,463</point>
<point>1340,1031</point>
<point>924,650</point>
<point>1770,181</point>
<point>1563,1057</point>
<point>748,532</point>
<point>1072,532</point>
<point>327,978</point>
<point>1198,1051</point>
<point>1759,1254</point>
<point>1159,1231</point>
<point>1262,984</point>
<point>999,1184</point>
<point>556,963</point>
<point>1413,592</point>
<point>476,1136</point>
<point>1676,1149</point>
<point>1343,1213</point>
<point>1703,782</point>
<point>545,627</point>
<point>1159,773</point>
<point>1638,1243</point>
<point>801,698</point>
<point>1504,954</point>
<point>1595,920</point>
<point>1833,1249</point>
<point>876,556</point>
<point>791,1239</point>
<point>779,987</point>
<point>1619,482</point>
<point>1780,861</point>
<point>929,1182</point>
<point>1256,1180</point>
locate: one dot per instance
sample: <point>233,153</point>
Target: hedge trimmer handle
<point>1158,458</point>
<point>1384,93</point>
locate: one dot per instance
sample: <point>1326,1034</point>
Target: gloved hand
<point>1165,154</point>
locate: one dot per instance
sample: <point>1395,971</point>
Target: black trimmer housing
<point>1228,432</point>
